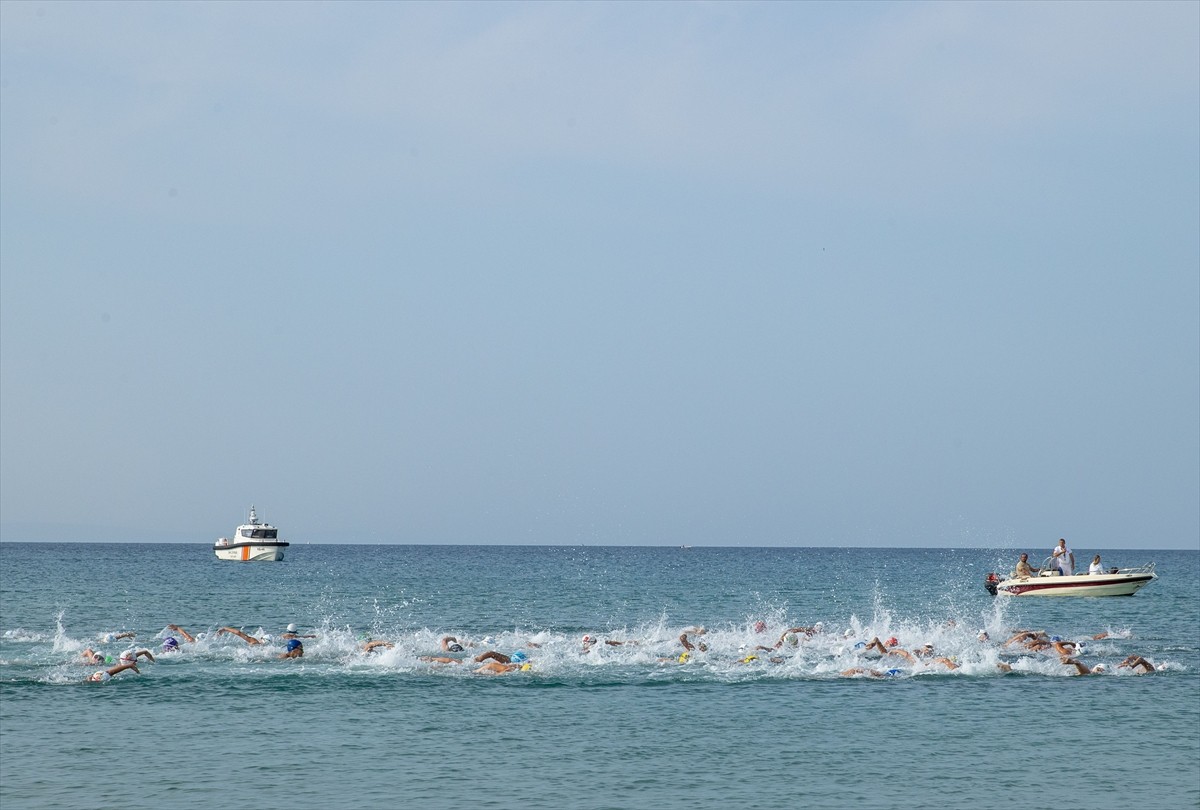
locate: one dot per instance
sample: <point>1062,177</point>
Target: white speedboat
<point>1049,582</point>
<point>252,542</point>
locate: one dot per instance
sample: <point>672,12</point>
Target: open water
<point>225,724</point>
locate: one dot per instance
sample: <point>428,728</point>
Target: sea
<point>817,721</point>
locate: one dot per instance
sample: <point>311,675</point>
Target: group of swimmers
<point>127,660</point>
<point>919,657</point>
<point>1068,652</point>
<point>1031,641</point>
<point>453,651</point>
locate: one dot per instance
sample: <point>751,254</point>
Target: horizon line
<point>681,546</point>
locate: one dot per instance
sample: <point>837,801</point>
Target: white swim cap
<point>291,628</point>
<point>129,655</point>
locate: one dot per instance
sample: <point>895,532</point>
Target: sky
<point>760,274</point>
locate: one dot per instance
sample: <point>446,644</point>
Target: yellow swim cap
<point>749,658</point>
<point>526,667</point>
<point>683,657</point>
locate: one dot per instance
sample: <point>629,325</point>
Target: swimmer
<point>440,659</point>
<point>791,636</point>
<point>590,641</point>
<point>688,646</point>
<point>492,655</point>
<point>760,626</point>
<point>295,649</point>
<point>518,662</point>
<point>370,646</point>
<point>186,635</point>
<point>497,668</point>
<point>1138,664</point>
<point>948,663</point>
<point>251,640</point>
<point>100,676</point>
<point>291,633</point>
<point>1082,668</point>
<point>91,657</point>
<point>500,658</point>
<point>109,638</point>
<point>874,673</point>
<point>1066,648</point>
<point>905,654</point>
<point>131,656</point>
<point>450,644</point>
<point>750,659</point>
<point>879,646</point>
<point>1035,640</point>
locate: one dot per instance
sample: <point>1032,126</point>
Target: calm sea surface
<point>222,723</point>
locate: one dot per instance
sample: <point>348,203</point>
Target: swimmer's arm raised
<point>186,635</point>
<point>246,638</point>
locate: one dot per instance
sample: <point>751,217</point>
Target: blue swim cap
<point>169,643</point>
<point>1056,638</point>
<point>292,644</point>
<point>891,673</point>
<point>519,656</point>
<point>860,645</point>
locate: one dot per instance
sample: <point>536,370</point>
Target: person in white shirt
<point>1095,567</point>
<point>1064,558</point>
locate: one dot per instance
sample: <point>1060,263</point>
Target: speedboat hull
<point>250,552</point>
<point>1123,582</point>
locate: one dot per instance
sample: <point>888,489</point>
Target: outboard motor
<point>991,582</point>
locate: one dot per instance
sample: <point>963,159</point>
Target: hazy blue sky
<point>605,273</point>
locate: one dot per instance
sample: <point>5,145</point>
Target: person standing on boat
<point>1096,567</point>
<point>1064,558</point>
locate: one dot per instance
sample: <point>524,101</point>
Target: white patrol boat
<point>252,542</point>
